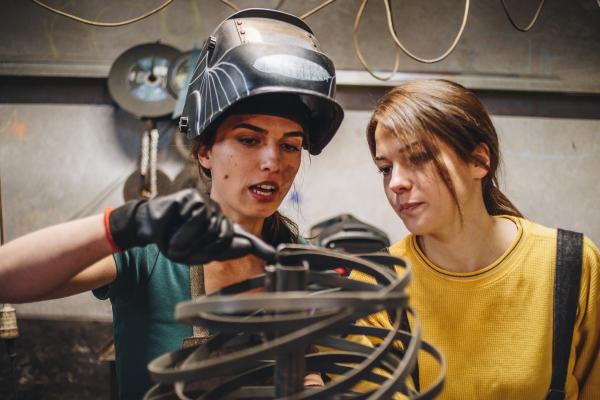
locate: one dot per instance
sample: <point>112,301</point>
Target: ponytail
<point>496,202</point>
<point>278,229</point>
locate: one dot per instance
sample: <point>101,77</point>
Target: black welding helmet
<point>347,233</point>
<point>259,58</point>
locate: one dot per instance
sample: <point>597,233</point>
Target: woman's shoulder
<point>540,233</point>
<point>403,247</point>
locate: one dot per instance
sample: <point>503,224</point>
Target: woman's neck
<point>250,225</point>
<point>218,274</point>
<point>478,242</point>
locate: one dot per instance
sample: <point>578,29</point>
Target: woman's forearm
<point>41,261</point>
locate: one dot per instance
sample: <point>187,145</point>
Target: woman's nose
<point>400,180</point>
<point>270,158</point>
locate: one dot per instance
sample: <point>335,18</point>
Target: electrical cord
<point>231,5</point>
<point>389,18</point>
<point>359,54</point>
<point>533,20</point>
<point>388,11</point>
<point>103,24</point>
<point>317,8</point>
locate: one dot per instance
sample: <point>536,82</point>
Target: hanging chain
<point>153,162</point>
<point>148,163</point>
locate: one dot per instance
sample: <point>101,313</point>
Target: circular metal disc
<point>138,78</point>
<point>132,190</point>
<point>178,71</point>
<point>189,177</point>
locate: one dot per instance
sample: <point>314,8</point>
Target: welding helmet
<point>259,60</point>
<point>347,233</point>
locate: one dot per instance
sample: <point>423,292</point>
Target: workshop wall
<point>562,48</point>
<point>60,162</point>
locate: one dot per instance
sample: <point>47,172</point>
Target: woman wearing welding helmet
<point>483,277</point>
<point>261,92</point>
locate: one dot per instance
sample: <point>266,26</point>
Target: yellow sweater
<point>494,326</point>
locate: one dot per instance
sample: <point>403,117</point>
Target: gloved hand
<point>185,226</point>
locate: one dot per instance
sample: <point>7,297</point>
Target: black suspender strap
<point>567,280</point>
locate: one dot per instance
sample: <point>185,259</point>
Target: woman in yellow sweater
<point>483,276</point>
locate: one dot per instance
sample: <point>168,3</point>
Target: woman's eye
<point>291,148</point>
<point>248,141</point>
<point>384,170</point>
<point>419,158</point>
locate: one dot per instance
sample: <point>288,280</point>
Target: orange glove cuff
<point>109,237</point>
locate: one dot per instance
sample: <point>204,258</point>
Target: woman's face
<point>415,189</point>
<point>253,163</point>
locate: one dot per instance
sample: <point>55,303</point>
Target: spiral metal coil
<point>260,344</point>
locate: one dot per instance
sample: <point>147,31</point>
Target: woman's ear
<point>481,161</point>
<point>203,156</point>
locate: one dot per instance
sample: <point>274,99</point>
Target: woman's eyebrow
<point>403,149</point>
<point>250,127</point>
<point>245,125</point>
<point>294,133</point>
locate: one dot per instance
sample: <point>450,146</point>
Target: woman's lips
<point>409,208</point>
<point>264,191</point>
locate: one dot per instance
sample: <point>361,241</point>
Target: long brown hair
<point>425,110</point>
<point>277,228</point>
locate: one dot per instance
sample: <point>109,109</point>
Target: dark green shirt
<point>143,297</point>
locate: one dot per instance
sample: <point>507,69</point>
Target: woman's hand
<point>314,380</point>
<point>185,226</point>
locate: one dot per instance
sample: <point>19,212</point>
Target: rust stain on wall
<point>15,126</point>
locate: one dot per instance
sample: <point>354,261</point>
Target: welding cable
<point>103,24</point>
<point>531,23</point>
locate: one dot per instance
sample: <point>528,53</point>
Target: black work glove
<point>186,227</point>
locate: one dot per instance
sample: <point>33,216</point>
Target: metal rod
<point>290,367</point>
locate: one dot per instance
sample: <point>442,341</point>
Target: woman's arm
<point>183,225</point>
<point>99,274</point>
<point>39,265</point>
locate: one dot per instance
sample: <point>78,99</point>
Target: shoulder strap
<point>567,280</point>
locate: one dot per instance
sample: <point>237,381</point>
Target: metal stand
<point>290,366</point>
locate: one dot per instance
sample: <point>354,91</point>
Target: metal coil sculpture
<point>260,341</point>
